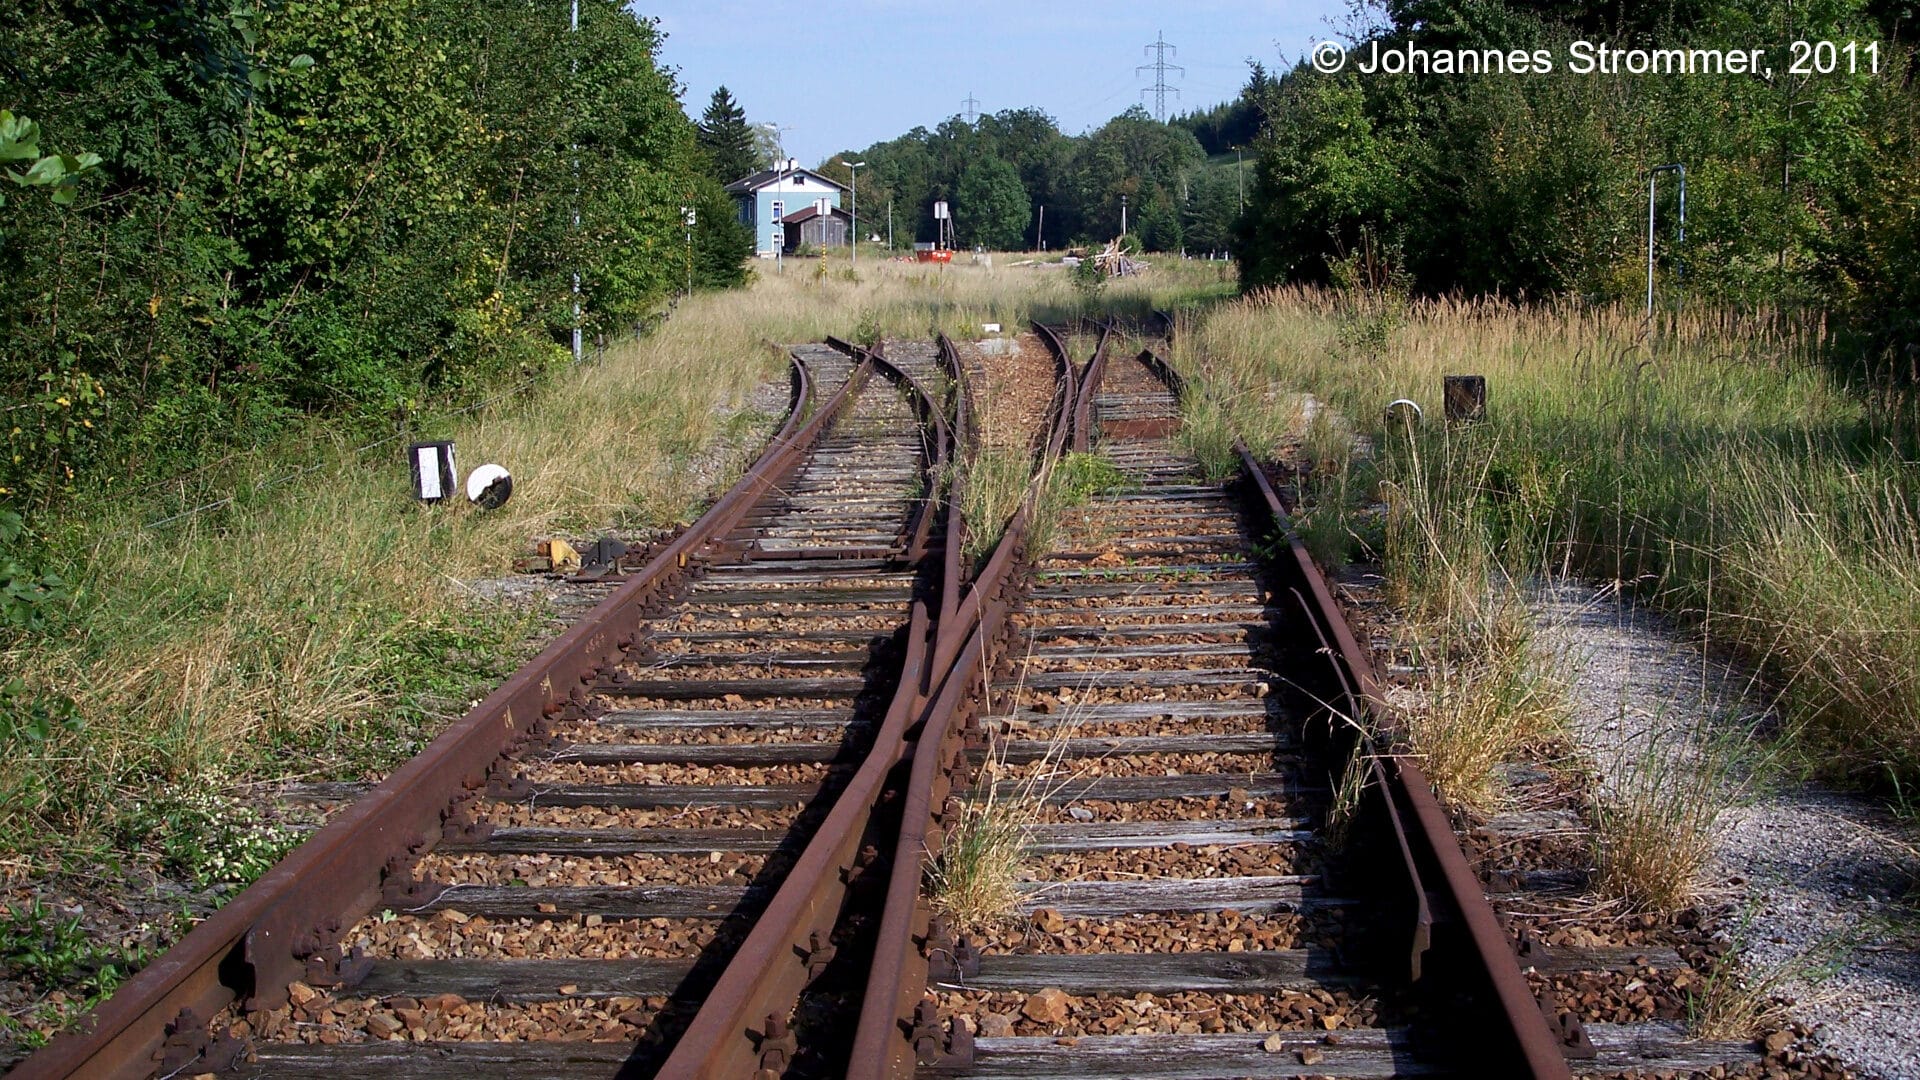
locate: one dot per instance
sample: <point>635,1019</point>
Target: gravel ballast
<point>1827,880</point>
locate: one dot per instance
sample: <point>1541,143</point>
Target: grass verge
<point>1716,466</point>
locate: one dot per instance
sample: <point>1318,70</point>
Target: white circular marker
<point>488,487</point>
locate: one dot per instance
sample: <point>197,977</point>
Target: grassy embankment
<point>1721,472</point>
<point>321,627</point>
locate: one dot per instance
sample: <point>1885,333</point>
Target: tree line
<point>335,207</point>
<point>1016,181</point>
<point>1802,186</point>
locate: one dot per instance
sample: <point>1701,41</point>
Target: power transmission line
<point>1160,49</point>
<point>972,103</point>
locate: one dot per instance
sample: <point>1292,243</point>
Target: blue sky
<point>842,76</point>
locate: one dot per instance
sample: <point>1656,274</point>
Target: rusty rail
<point>741,1027</point>
<point>898,1031</point>
<point>1534,1048</point>
<point>895,1033</point>
<point>286,925</point>
<point>1088,390</point>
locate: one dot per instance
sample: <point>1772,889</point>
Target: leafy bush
<point>352,209</point>
<point>28,591</point>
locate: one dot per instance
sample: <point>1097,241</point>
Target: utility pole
<point>971,104</point>
<point>889,225</point>
<point>1240,178</point>
<point>854,167</point>
<point>1040,233</point>
<point>1160,67</point>
<point>573,30</point>
<point>1123,217</point>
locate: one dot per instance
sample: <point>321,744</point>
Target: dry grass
<point>1742,999</point>
<point>975,880</point>
<point>1655,823</point>
<point>323,626</point>
<point>1487,698</point>
<point>1718,468</point>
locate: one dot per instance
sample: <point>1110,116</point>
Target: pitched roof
<point>767,176</point>
<point>812,212</point>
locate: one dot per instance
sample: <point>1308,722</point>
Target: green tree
<point>342,208</point>
<point>727,138</point>
<point>990,205</point>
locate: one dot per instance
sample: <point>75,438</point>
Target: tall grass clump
<point>975,878</point>
<point>1713,463</point>
<point>994,483</point>
<point>1654,816</point>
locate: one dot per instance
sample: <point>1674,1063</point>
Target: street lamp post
<point>854,167</point>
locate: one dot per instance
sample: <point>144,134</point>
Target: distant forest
<point>1010,174</point>
<point>1803,189</point>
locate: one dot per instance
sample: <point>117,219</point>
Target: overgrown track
<point>1151,707</point>
<point>693,838</point>
<point>557,883</point>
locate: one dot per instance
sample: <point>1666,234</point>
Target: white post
<point>1040,234</point>
<point>1653,176</point>
<point>1650,181</point>
<point>573,27</point>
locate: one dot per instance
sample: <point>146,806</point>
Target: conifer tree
<point>727,138</point>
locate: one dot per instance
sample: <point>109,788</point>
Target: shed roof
<point>812,212</point>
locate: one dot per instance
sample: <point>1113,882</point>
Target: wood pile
<point>1116,263</point>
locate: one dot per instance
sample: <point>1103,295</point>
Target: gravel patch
<point>1829,880</point>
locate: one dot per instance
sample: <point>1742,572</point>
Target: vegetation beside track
<point>1716,467</point>
<point>321,625</point>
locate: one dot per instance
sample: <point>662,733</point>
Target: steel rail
<point>286,925</point>
<point>1406,792</point>
<point>894,1032</point>
<point>897,1031</point>
<point>741,1028</point>
<point>1537,1051</point>
<point>1090,379</point>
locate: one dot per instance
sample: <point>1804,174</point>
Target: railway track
<point>693,838</point>
<point>561,878</point>
<point>1156,723</point>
